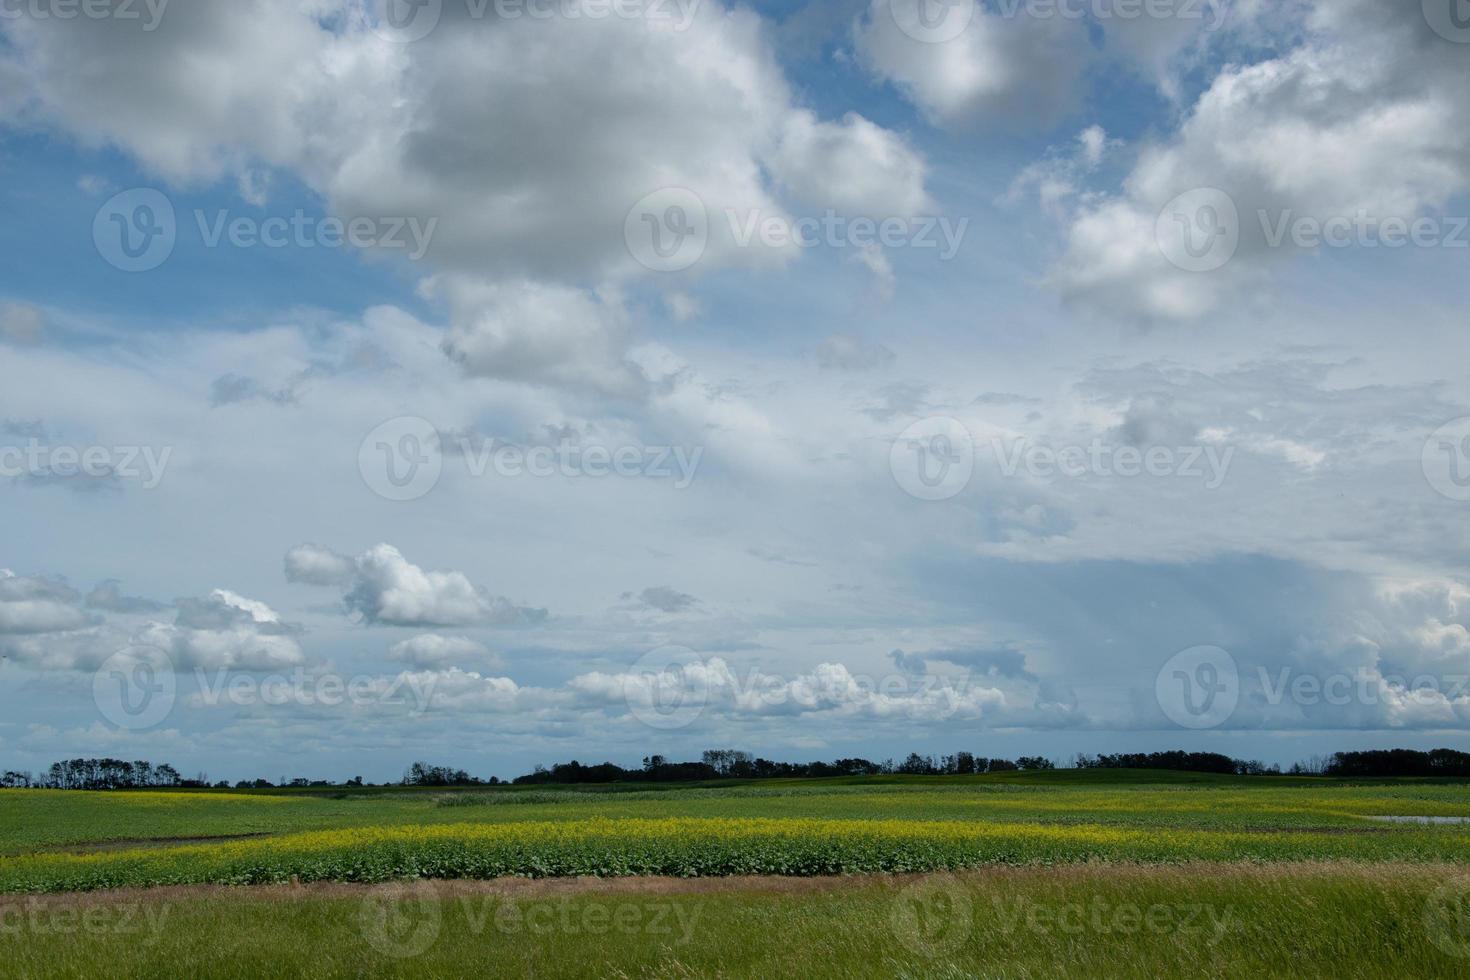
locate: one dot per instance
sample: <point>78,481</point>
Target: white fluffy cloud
<point>36,605</point>
<point>43,625</point>
<point>1013,68</point>
<point>389,590</point>
<point>852,166</point>
<point>830,689</point>
<point>1366,117</point>
<point>311,564</point>
<point>540,333</point>
<point>226,631</point>
<point>530,188</point>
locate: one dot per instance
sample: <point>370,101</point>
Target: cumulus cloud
<point>311,564</point>
<point>388,590</point>
<point>540,333</point>
<point>108,597</point>
<point>470,693</point>
<point>829,689</point>
<point>38,605</point>
<point>529,216</point>
<point>430,650</point>
<point>1364,118</point>
<point>224,630</point>
<point>995,68</point>
<point>43,624</point>
<point>852,166</point>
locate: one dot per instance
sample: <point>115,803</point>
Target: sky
<point>501,382</point>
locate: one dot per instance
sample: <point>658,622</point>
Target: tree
<point>917,765</point>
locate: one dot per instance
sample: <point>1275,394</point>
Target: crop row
<point>689,848</point>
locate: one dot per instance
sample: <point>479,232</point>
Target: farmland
<point>1041,871</point>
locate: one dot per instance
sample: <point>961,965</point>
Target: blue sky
<point>1130,433</point>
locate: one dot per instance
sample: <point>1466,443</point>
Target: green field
<point>1036,874</point>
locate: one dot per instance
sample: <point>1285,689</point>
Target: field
<point>1081,873</point>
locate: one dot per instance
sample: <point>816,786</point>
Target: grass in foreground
<point>1292,920</point>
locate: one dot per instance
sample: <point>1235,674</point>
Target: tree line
<point>734,764</point>
<point>1179,762</point>
<point>96,774</point>
<point>118,774</point>
<point>1400,762</point>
